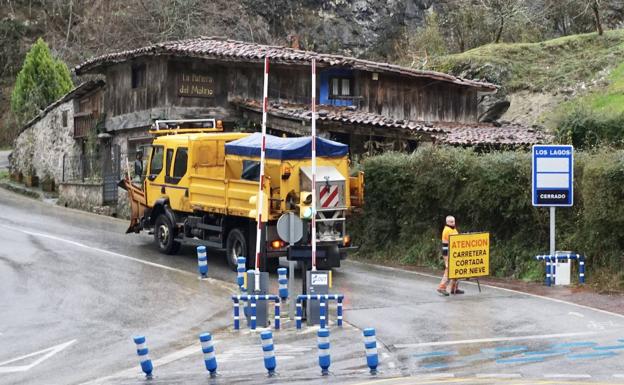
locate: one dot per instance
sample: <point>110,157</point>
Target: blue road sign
<point>553,173</point>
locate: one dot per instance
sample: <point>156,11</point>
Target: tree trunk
<point>460,39</point>
<point>500,30</point>
<point>69,22</point>
<point>596,9</point>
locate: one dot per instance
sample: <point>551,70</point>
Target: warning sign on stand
<point>469,255</point>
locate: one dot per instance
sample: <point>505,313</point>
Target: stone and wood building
<point>368,105</point>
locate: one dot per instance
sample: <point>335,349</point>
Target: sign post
<point>552,179</point>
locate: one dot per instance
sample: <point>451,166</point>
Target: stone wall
<point>40,148</point>
<point>81,195</point>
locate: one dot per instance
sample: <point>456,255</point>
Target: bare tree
<point>595,5</point>
<point>502,11</point>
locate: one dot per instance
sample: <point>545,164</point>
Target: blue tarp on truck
<point>285,148</point>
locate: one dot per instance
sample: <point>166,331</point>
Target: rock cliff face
<point>365,28</point>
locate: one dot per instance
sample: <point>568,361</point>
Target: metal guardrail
<point>323,299</point>
<point>551,261</point>
<point>253,299</point>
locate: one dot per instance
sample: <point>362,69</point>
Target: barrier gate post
<point>318,283</point>
<point>260,305</point>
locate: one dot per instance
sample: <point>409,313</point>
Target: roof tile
<point>216,48</point>
<point>456,134</point>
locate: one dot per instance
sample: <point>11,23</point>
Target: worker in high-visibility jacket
<point>449,230</point>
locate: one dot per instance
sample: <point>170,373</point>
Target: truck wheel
<point>236,246</point>
<point>164,233</point>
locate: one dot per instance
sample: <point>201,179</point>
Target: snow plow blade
<point>137,204</point>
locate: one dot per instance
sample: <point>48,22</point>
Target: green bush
<point>585,128</point>
<point>408,197</point>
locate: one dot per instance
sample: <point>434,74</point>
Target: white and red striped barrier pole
<point>313,164</point>
<point>265,101</point>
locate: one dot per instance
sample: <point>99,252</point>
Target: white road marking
<point>226,355</point>
<point>498,375</point>
<point>602,325</point>
<point>595,325</point>
<point>182,353</point>
<point>495,339</point>
<point>576,314</point>
<point>494,287</point>
<point>47,353</point>
<point>569,376</point>
<point>122,256</point>
<point>177,355</point>
<point>435,376</point>
<point>117,255</point>
<point>249,352</point>
<point>255,357</point>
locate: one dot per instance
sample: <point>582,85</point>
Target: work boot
<point>457,291</point>
<point>443,292</point>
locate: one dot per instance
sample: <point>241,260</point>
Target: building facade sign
<point>196,85</point>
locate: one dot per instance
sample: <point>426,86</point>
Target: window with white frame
<point>340,87</point>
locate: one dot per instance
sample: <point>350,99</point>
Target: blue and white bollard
<point>202,261</point>
<point>299,314</point>
<point>339,312</point>
<point>236,307</point>
<point>253,313</point>
<point>553,269</point>
<point>240,269</point>
<point>322,312</point>
<point>277,314</point>
<point>323,350</point>
<point>370,343</point>
<point>269,352</point>
<point>209,353</point>
<point>581,261</point>
<point>283,283</point>
<point>143,352</point>
<point>547,271</point>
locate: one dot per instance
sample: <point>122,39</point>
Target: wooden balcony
<point>84,122</point>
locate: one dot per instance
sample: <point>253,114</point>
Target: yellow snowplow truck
<point>201,188</point>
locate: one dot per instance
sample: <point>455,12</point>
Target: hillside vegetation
<point>566,62</point>
<point>400,31</point>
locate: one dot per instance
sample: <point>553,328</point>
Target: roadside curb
<point>40,196</point>
<point>21,190</point>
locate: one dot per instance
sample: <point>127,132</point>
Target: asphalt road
<point>4,160</point>
<point>74,289</point>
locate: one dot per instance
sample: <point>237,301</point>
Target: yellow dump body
<point>213,182</point>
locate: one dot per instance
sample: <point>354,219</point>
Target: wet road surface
<point>4,159</point>
<point>76,285</point>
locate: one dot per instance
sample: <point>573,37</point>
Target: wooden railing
<point>83,123</point>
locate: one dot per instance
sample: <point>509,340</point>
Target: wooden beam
<point>146,117</point>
